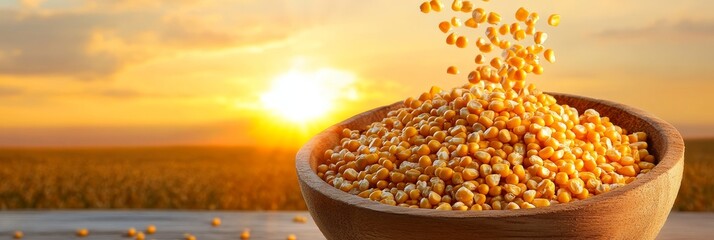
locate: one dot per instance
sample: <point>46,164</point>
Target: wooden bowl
<point>635,211</point>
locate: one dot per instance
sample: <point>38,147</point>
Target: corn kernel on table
<point>263,225</point>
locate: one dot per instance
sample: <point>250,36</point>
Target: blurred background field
<point>165,178</point>
<point>226,178</point>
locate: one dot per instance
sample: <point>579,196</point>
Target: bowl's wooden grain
<point>636,211</point>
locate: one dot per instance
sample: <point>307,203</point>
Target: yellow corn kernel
<point>496,63</point>
<point>456,22</point>
<point>457,5</point>
<point>522,14</point>
<point>479,59</point>
<point>517,62</point>
<point>576,186</point>
<point>479,15</point>
<point>512,206</point>
<point>471,23</point>
<point>467,6</point>
<point>627,171</point>
<point>131,232</point>
<point>550,56</point>
<point>245,234</point>
<point>474,77</point>
<point>537,69</point>
<point>451,39</point>
<point>18,235</point>
<point>436,5</point>
<point>486,48</point>
<point>494,18</point>
<point>150,229</point>
<point>564,197</point>
<point>444,26</point>
<point>462,42</point>
<point>540,37</point>
<point>452,70</point>
<point>541,202</point>
<point>504,29</point>
<point>425,7</point>
<point>82,232</point>
<point>554,20</point>
<point>216,222</point>
<point>292,237</point>
<point>532,19</point>
<point>464,195</point>
<point>520,75</point>
<point>444,206</point>
<point>519,35</point>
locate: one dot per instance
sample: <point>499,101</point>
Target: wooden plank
<point>52,225</point>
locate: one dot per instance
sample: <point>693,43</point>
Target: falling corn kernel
<point>457,5</point>
<point>216,222</point>
<point>479,59</point>
<point>187,236</point>
<point>504,29</point>
<point>519,35</point>
<point>451,39</point>
<point>82,232</point>
<point>532,19</point>
<point>471,23</point>
<point>540,37</point>
<point>456,22</point>
<point>467,6</point>
<point>245,234</point>
<point>461,42</point>
<point>131,232</point>
<point>522,14</point>
<point>444,26</point>
<point>140,236</point>
<point>151,229</point>
<point>516,62</point>
<point>479,15</point>
<point>292,237</point>
<point>425,7</point>
<point>474,77</point>
<point>554,20</point>
<point>494,18</point>
<point>549,55</point>
<point>452,70</point>
<point>18,235</point>
<point>436,5</point>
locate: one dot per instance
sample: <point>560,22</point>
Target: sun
<point>303,97</point>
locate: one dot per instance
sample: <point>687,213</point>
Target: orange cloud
<point>684,30</point>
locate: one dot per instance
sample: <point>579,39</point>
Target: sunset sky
<point>158,72</point>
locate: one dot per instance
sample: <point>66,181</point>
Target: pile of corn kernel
<point>495,143</point>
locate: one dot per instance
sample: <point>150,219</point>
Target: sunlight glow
<point>301,97</point>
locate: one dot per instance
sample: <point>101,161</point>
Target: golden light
<point>301,97</point>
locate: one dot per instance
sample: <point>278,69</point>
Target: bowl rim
<point>671,155</point>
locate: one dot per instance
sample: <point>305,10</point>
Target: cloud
<point>10,91</point>
<point>684,30</point>
<point>51,45</point>
<point>97,42</point>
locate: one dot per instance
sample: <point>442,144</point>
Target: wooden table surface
<point>52,225</point>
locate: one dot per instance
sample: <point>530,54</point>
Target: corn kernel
<point>444,26</point>
<point>554,20</point>
<point>436,5</point>
<point>452,70</point>
<point>522,14</point>
<point>550,56</point>
<point>425,7</point>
